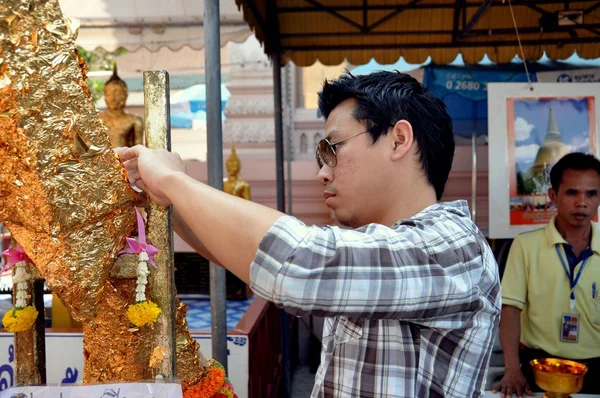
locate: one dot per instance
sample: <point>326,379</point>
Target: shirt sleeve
<point>374,272</point>
<point>514,281</point>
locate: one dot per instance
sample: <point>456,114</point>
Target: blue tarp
<point>190,104</point>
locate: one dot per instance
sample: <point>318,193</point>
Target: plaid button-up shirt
<point>412,310</point>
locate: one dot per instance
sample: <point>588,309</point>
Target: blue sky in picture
<point>531,123</point>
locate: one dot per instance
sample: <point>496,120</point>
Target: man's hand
<point>513,382</point>
<point>149,168</point>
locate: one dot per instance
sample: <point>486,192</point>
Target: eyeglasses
<point>325,152</point>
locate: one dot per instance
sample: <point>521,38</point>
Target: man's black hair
<point>572,161</point>
<point>383,99</point>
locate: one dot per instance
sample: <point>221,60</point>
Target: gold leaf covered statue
<point>233,184</point>
<point>124,129</point>
<point>59,179</point>
<point>65,197</point>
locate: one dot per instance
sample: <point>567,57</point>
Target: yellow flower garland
<point>143,312</point>
<point>20,319</point>
<point>211,385</point>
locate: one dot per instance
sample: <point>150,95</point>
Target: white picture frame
<point>508,157</point>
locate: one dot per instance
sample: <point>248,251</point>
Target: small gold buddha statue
<point>124,129</point>
<point>233,184</point>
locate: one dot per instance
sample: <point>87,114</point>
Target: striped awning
<point>357,30</point>
<point>149,24</point>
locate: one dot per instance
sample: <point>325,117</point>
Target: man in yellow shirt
<point>551,305</point>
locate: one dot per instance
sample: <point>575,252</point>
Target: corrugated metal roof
<point>358,30</point>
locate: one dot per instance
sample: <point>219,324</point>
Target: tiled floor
<point>198,315</point>
<point>302,383</point>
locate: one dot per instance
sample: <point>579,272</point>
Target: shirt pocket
<point>348,329</point>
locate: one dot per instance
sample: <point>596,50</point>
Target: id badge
<point>569,331</point>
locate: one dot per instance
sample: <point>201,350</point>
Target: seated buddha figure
<point>124,129</point>
<point>233,184</point>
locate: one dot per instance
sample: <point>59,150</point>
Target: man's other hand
<point>513,382</point>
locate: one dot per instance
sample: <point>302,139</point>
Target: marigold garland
<point>22,316</point>
<point>143,313</point>
<point>20,319</point>
<point>214,385</point>
<point>226,391</point>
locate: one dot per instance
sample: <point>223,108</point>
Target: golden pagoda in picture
<point>551,150</point>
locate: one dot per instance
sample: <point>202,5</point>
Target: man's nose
<point>325,175</point>
<point>582,200</point>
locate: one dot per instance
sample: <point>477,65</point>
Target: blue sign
<point>464,91</point>
<point>6,370</point>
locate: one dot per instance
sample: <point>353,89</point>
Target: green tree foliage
<point>525,184</point>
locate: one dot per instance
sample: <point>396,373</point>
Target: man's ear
<point>552,195</point>
<point>402,139</point>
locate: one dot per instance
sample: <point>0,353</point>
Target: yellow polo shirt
<point>535,282</point>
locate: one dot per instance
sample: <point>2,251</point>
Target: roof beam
<point>391,15</point>
<point>468,4</point>
<point>273,24</point>
<point>336,14</point>
<point>400,46</point>
<point>365,14</point>
<point>538,9</point>
<point>459,6</point>
<point>570,28</point>
<point>474,32</point>
<point>485,6</point>
<point>597,32</point>
<point>592,8</point>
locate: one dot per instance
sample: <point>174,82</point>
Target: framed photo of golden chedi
<point>531,127</point>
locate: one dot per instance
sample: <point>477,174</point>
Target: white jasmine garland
<point>20,279</point>
<point>142,276</point>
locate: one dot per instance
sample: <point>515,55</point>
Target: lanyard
<point>570,276</point>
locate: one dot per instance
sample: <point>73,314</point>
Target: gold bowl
<point>558,377</point>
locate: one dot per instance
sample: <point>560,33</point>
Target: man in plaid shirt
<point>410,289</point>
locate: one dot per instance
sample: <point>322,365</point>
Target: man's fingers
<point>119,151</point>
<point>528,390</point>
<point>140,185</point>
<point>509,391</point>
<point>132,168</point>
<point>134,175</point>
<point>132,152</point>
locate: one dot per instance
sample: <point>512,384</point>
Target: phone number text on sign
<point>465,85</point>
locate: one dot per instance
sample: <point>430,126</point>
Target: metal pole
<point>289,128</point>
<point>276,58</point>
<point>160,232</point>
<point>212,51</point>
<point>285,319</point>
